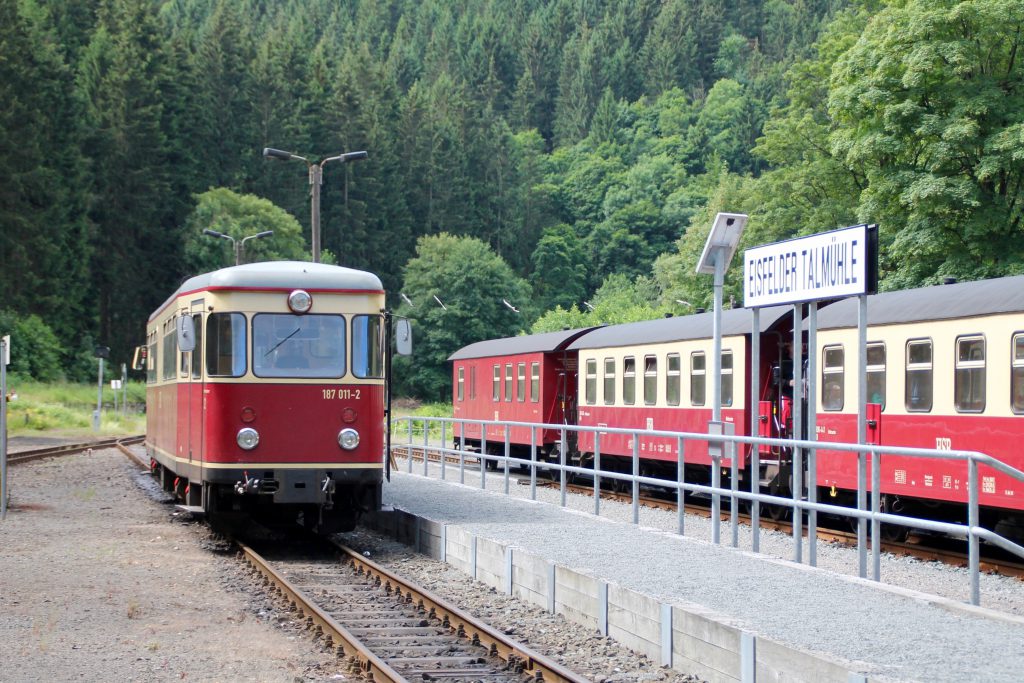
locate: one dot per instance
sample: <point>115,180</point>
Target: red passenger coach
<point>516,379</point>
<point>945,371</point>
<point>266,392</point>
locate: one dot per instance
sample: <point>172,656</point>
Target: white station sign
<point>829,265</point>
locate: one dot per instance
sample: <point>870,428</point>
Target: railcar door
<point>196,393</point>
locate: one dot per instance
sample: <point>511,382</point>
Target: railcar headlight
<point>248,438</point>
<point>348,438</point>
<point>300,301</point>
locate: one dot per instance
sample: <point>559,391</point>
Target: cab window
<point>298,346</point>
<point>368,346</point>
<point>225,345</point>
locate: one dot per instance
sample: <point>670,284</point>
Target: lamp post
<point>316,177</point>
<point>238,245</point>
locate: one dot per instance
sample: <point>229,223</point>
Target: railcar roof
<point>546,342</point>
<point>939,302</point>
<point>280,275</point>
<point>681,328</point>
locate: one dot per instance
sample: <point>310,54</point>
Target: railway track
<point>920,547</point>
<point>391,630</point>
<point>20,457</point>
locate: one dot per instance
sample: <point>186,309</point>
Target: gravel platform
<point>891,632</point>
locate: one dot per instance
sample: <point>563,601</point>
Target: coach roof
<point>545,342</point>
<point>699,326</point>
<point>280,275</point>
<point>940,302</point>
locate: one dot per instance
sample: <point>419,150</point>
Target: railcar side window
<point>697,378</point>
<point>197,353</point>
<point>1017,374</point>
<point>832,378</point>
<point>368,346</point>
<point>726,378</point>
<point>535,382</point>
<point>969,381</point>
<point>462,383</point>
<point>629,381</point>
<point>609,381</point>
<point>591,382</point>
<point>285,345</point>
<point>919,376</point>
<point>650,380</point>
<point>496,384</point>
<point>521,381</point>
<point>672,380</point>
<point>170,350</point>
<point>876,374</point>
<point>225,345</point>
<point>508,381</point>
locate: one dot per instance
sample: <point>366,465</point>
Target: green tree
<point>239,216</point>
<point>35,350</point>
<point>471,281</point>
<point>931,110</point>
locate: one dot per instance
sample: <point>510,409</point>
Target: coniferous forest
<point>533,164</point>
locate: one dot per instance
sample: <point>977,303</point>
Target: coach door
<point>196,396</point>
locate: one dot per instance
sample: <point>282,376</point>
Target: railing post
<point>680,491</point>
<point>533,463</point>
<point>561,462</point>
<point>972,525</point>
<point>462,452</point>
<point>876,505</point>
<point>444,446</point>
<point>508,449</point>
<point>636,482</point>
<point>408,452</point>
<point>483,455</point>
<point>734,475</point>
<point>426,445</point>
<point>597,473</point>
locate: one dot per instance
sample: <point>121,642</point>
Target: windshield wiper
<point>274,347</point>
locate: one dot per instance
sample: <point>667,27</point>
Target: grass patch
<point>66,409</point>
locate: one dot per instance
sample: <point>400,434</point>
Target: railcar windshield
<point>285,345</point>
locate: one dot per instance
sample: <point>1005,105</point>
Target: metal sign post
<point>101,352</point>
<point>5,358</point>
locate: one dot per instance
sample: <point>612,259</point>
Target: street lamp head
<point>354,156</point>
<point>214,233</point>
<point>265,233</point>
<point>272,153</point>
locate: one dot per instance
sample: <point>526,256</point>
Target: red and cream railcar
<point>516,379</point>
<point>656,375</point>
<point>266,392</point>
<point>945,368</point>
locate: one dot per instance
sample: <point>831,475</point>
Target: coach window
<point>521,382</point>
<point>285,345</point>
<point>726,378</point>
<point>969,390</point>
<point>650,380</point>
<point>496,384</point>
<point>876,374</point>
<point>185,357</point>
<point>833,374</point>
<point>1017,374</point>
<point>367,346</point>
<point>919,376</point>
<point>672,380</point>
<point>697,377</point>
<point>591,382</point>
<point>629,381</point>
<point>151,360</point>
<point>609,381</point>
<point>534,382</point>
<point>462,383</point>
<point>508,381</point>
<point>472,382</point>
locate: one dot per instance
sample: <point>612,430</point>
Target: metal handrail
<point>973,532</point>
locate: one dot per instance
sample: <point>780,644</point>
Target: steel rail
<point>539,667</point>
<point>18,457</point>
<point>542,668</point>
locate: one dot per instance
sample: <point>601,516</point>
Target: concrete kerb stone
<point>699,641</point>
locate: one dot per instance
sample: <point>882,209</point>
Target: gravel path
<point>809,608</point>
<point>98,582</point>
